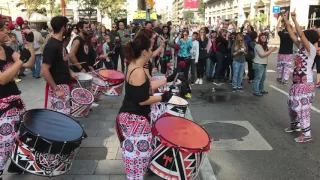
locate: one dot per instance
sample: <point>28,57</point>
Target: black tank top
<point>134,95</point>
<point>10,88</point>
<point>82,54</point>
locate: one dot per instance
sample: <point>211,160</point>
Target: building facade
<point>241,10</point>
<point>178,7</point>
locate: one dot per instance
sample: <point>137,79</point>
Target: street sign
<point>276,9</point>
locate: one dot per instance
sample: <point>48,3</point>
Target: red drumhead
<point>182,132</point>
<point>112,74</point>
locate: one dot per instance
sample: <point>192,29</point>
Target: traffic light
<point>151,3</point>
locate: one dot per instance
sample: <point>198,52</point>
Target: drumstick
<point>97,62</point>
<point>80,86</point>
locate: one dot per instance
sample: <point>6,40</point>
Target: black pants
<point>250,70</point>
<point>115,57</point>
<point>164,66</point>
<point>228,66</point>
<point>201,67</point>
<point>187,60</point>
<point>220,62</point>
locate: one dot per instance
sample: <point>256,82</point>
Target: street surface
<point>249,141</point>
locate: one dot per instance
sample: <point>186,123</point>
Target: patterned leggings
<point>284,66</point>
<point>300,100</point>
<point>135,135</point>
<point>7,130</point>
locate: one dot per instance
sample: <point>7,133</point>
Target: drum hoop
<point>103,77</point>
<point>84,134</point>
<point>85,74</point>
<point>85,91</point>
<point>185,149</point>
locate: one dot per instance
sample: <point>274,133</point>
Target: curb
<point>206,170</point>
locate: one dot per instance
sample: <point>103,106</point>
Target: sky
<point>161,4</point>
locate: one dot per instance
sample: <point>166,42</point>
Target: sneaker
<point>234,89</point>
<point>303,139</point>
<point>258,94</point>
<point>318,85</point>
<point>240,89</point>
<point>285,82</point>
<point>217,83</point>
<point>188,96</point>
<point>279,80</point>
<point>200,81</point>
<point>230,82</point>
<point>17,80</point>
<point>292,129</point>
<point>197,81</point>
<point>94,105</point>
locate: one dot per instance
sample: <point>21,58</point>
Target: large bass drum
<point>47,142</point>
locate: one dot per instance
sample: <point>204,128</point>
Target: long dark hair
<point>263,44</point>
<point>134,48</point>
<point>168,33</point>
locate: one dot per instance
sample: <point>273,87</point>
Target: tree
<point>32,6</point>
<point>188,16</point>
<point>201,9</point>
<point>56,10</point>
<point>88,7</point>
<point>114,9</point>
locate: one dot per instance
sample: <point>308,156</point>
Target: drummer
<point>79,52</point>
<point>11,106</point>
<point>135,110</point>
<point>55,68</point>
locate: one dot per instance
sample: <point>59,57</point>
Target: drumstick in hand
<point>77,63</point>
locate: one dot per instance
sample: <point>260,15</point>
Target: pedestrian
<point>14,45</point>
<point>204,49</point>
<point>222,42</point>
<point>136,143</point>
<point>285,56</point>
<point>301,93</point>
<point>184,53</point>
<point>260,63</point>
<point>55,68</point>
<point>238,52</point>
<point>194,57</point>
<point>166,55</point>
<point>11,105</point>
<point>317,60</point>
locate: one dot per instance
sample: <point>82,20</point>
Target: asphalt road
<point>249,140</point>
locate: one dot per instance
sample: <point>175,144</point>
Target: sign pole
<point>148,12</point>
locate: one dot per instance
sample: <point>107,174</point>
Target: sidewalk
<point>99,157</point>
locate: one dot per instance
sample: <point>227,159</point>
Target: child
<point>194,56</point>
<point>13,43</point>
<point>107,53</point>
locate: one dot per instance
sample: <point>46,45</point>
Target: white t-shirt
<point>195,50</point>
<point>302,72</point>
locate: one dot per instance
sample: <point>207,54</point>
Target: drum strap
<point>16,103</point>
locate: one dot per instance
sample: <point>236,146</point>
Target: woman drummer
<point>11,105</point>
<point>133,122</point>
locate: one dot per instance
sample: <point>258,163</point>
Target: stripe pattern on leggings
<point>300,101</point>
<point>136,146</point>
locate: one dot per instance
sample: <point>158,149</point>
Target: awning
<point>37,17</point>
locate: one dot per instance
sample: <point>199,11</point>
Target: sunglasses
<point>114,27</point>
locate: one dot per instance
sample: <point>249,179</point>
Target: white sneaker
<point>94,105</point>
<point>200,81</point>
<point>197,81</point>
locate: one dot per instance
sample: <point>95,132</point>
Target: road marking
<point>253,141</point>
<point>285,93</point>
<point>268,70</point>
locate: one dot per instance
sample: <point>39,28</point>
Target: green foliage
<point>114,9</point>
<point>88,6</point>
<point>188,16</point>
<point>261,20</point>
<point>56,10</point>
<point>33,6</point>
<point>201,9</point>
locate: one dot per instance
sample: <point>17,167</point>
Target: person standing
<point>39,41</point>
<point>55,68</point>
<point>285,56</point>
<point>260,63</point>
<point>238,52</point>
<point>184,53</point>
<point>79,52</point>
<point>11,105</point>
<point>124,38</point>
<point>136,143</point>
<point>194,57</point>
<point>301,93</point>
<point>204,48</point>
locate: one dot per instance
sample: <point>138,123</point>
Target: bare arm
<point>290,30</point>
<point>278,25</point>
<point>303,38</point>
<point>155,84</point>
<point>32,59</point>
<point>8,75</point>
<point>73,51</point>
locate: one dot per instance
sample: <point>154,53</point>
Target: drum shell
<point>79,110</point>
<point>85,83</point>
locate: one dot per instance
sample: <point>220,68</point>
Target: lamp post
<point>63,7</point>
